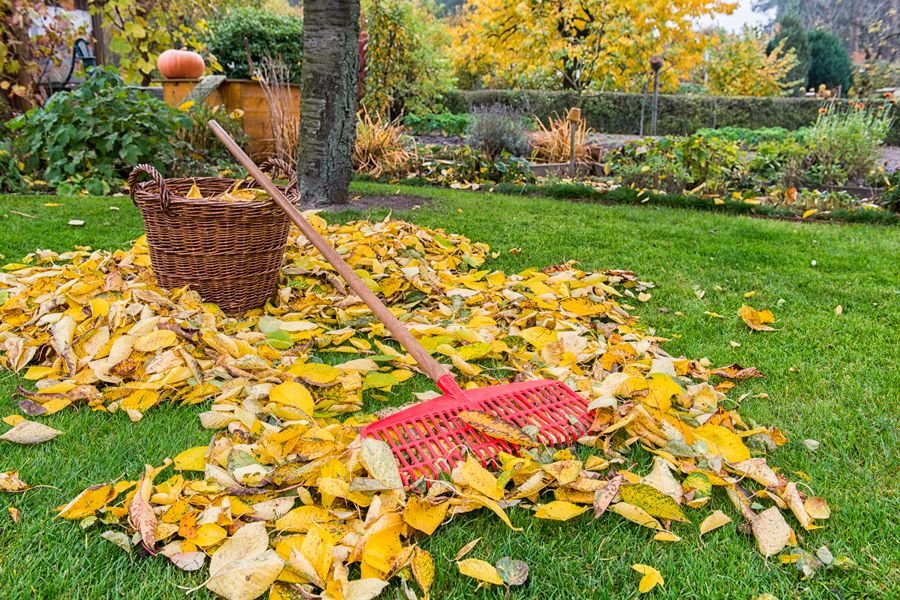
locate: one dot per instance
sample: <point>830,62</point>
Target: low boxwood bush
<point>264,33</point>
<point>89,138</point>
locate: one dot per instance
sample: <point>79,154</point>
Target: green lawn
<point>831,378</point>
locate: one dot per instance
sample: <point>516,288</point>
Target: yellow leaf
<point>99,307</point>
<point>723,442</point>
<point>666,536</point>
<point>87,502</point>
<point>496,427</point>
<point>559,511</point>
<point>653,501</point>
<point>480,570</point>
<point>291,393</point>
<point>423,568</point>
<point>651,577</point>
<point>13,420</point>
<point>424,515</point>
<point>208,534</point>
<point>808,213</point>
<point>817,507</point>
<point>757,320</point>
<point>302,518</point>
<point>156,340</point>
<point>714,521</point>
<point>480,478</point>
<point>315,373</point>
<point>192,459</point>
<point>193,193</point>
<point>35,373</point>
<point>635,515</point>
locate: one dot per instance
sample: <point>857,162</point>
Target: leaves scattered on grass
<point>92,328</point>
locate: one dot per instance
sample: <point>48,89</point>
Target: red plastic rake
<point>429,438</point>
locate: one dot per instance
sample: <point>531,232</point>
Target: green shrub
<point>407,59</point>
<point>843,145</point>
<point>11,180</point>
<point>264,33</point>
<point>90,137</point>
<point>497,129</point>
<point>829,62</point>
<point>431,123</point>
<point>746,137</point>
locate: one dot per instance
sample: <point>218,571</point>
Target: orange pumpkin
<point>180,64</point>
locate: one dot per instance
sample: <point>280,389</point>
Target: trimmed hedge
<point>615,112</point>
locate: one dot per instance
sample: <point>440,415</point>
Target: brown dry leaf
<point>771,531</point>
<point>140,513</point>
<point>29,432</point>
<point>756,469</point>
<point>757,320</point>
<point>817,507</point>
<point>495,427</point>
<point>605,496</point>
<point>246,578</point>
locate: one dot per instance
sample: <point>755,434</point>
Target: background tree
<point>328,105</point>
<point>872,26</point>
<point>829,61</point>
<point>591,44</point>
<point>791,31</point>
<point>739,65</point>
<point>407,67</point>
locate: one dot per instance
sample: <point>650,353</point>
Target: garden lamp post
<point>656,64</point>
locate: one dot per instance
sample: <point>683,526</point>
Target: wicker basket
<point>229,252</point>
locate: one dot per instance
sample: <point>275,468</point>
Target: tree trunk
<point>328,104</point>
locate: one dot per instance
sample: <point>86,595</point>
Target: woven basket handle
<point>165,198</point>
<point>274,165</point>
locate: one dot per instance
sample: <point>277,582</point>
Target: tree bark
<point>328,104</point>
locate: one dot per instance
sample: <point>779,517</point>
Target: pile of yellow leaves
<point>288,496</point>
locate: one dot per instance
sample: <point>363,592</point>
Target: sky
<point>744,15</point>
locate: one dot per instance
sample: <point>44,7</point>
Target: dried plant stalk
<point>274,77</point>
<point>553,142</point>
<point>381,147</point>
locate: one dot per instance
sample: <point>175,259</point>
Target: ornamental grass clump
<point>382,147</point>
<point>553,141</point>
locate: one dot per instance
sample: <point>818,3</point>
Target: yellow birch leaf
<point>208,534</point>
<point>817,507</point>
<point>714,521</point>
<point>315,373</point>
<point>480,478</point>
<point>635,515</point>
<point>156,340</point>
<point>192,459</point>
<point>300,519</point>
<point>723,442</point>
<point>771,531</point>
<point>194,193</point>
<point>559,511</point>
<point>423,515</point>
<point>423,568</point>
<point>291,393</point>
<point>35,373</point>
<point>666,536</point>
<point>651,577</point>
<point>480,570</point>
<point>87,502</point>
<point>757,320</point>
<point>13,420</point>
<point>653,501</point>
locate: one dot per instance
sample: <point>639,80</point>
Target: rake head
<point>429,438</point>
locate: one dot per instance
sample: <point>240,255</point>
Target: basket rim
<point>143,192</point>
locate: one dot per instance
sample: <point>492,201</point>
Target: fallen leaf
<point>11,482</point>
<point>140,513</point>
<point>605,496</point>
<point>29,432</point>
<point>771,531</point>
<point>380,463</point>
<point>87,502</point>
<point>635,515</point>
<point>495,427</point>
<point>423,568</point>
<point>512,572</point>
<point>425,515</point>
<point>480,570</point>
<point>291,393</point>
<point>246,578</point>
<point>466,548</point>
<point>666,536</point>
<point>653,501</point>
<point>192,459</point>
<point>651,577</point>
<point>757,320</point>
<point>118,538</point>
<point>559,511</point>
<point>714,521</point>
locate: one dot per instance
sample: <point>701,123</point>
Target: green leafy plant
<point>11,179</point>
<point>407,67</point>
<point>198,151</point>
<point>748,137</point>
<point>496,129</point>
<point>259,33</point>
<point>90,137</point>
<point>843,144</point>
<point>467,167</point>
<point>443,123</point>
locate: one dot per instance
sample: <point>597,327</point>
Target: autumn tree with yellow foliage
<point>579,45</point>
<point>740,66</point>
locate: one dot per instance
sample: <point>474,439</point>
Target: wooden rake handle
<point>435,370</point>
